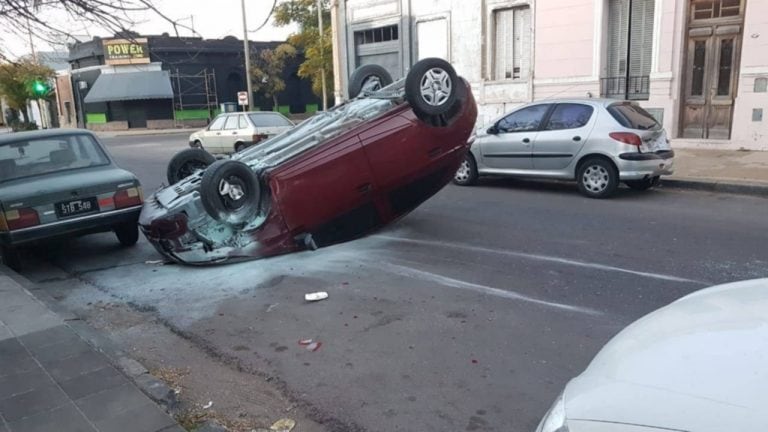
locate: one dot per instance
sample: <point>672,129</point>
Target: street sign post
<point>242,98</point>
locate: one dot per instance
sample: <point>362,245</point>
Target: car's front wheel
<point>644,184</point>
<point>240,147</point>
<point>431,88</point>
<point>127,233</point>
<point>597,178</point>
<point>466,175</point>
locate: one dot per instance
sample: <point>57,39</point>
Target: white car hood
<point>699,364</point>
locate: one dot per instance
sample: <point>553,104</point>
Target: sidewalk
<point>52,380</point>
<point>144,132</point>
<point>732,171</point>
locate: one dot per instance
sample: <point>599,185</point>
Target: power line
<point>271,11</point>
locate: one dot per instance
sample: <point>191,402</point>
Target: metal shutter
<point>618,29</point>
<point>641,38</point>
<point>522,34</point>
<point>503,46</point>
<point>512,43</point>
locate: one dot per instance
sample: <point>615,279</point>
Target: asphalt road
<point>469,314</point>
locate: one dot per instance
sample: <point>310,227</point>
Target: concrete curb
<point>145,133</point>
<point>753,189</point>
<point>154,388</point>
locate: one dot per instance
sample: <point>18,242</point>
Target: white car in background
<point>699,364</point>
<point>232,132</point>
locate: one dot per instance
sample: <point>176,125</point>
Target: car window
<point>48,155</point>
<point>269,120</point>
<point>524,120</point>
<point>231,123</point>
<point>242,123</point>
<point>569,116</point>
<point>633,116</point>
<point>218,123</point>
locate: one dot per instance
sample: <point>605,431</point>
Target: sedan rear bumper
<point>93,223</point>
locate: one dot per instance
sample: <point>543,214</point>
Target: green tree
<point>267,72</point>
<point>18,83</point>
<point>317,51</point>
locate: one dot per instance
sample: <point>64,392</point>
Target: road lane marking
<point>546,258</point>
<point>482,289</point>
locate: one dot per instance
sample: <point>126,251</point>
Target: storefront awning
<point>130,86</point>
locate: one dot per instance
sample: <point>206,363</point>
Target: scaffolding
<point>195,96</point>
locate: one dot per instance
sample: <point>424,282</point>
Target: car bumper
<point>637,166</point>
<point>93,223</point>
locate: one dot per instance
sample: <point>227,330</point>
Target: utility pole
<point>247,51</point>
<point>338,94</point>
<point>41,105</point>
<point>322,54</point>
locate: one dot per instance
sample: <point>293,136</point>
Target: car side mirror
<point>493,130</point>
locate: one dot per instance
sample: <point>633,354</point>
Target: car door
<point>563,135</point>
<point>509,142</point>
<point>229,134</point>
<point>212,136</point>
<point>245,131</point>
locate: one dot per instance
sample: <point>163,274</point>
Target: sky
<point>212,19</point>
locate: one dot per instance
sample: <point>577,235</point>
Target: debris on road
<point>314,346</point>
<point>305,342</point>
<point>283,425</point>
<point>155,262</point>
<point>208,405</point>
<point>316,296</point>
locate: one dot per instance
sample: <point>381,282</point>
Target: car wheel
<point>197,144</point>
<point>431,88</point>
<point>10,257</point>
<point>370,77</point>
<point>597,178</point>
<point>644,184</point>
<point>239,147</point>
<point>466,175</point>
<point>187,162</point>
<point>230,192</point>
<point>127,233</point>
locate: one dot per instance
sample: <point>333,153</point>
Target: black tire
<point>10,257</point>
<point>186,162</point>
<point>597,178</point>
<point>197,144</point>
<point>240,147</point>
<point>435,74</point>
<point>644,184</point>
<point>127,233</point>
<point>218,198</point>
<point>466,175</point>
<point>362,75</point>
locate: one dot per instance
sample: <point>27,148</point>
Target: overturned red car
<point>336,176</point>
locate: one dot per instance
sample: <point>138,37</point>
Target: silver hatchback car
<point>597,142</point>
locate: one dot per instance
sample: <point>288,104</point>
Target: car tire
<point>466,175</point>
<point>240,147</point>
<point>431,88</point>
<point>127,233</point>
<point>197,144</point>
<point>644,184</point>
<point>10,257</point>
<point>230,192</point>
<point>186,162</point>
<point>597,178</point>
<point>364,75</point>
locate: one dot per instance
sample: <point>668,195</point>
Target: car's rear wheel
<point>597,178</point>
<point>230,192</point>
<point>10,257</point>
<point>466,175</point>
<point>127,233</point>
<point>431,88</point>
<point>239,147</point>
<point>370,77</point>
<point>187,162</point>
<point>644,184</point>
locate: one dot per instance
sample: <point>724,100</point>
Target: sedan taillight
<point>128,197</point>
<point>627,138</point>
<point>21,218</point>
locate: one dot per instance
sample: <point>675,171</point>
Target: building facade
<point>158,82</point>
<point>699,66</point>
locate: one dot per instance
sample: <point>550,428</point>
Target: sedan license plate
<point>76,207</point>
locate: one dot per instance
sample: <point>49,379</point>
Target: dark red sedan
<point>334,177</point>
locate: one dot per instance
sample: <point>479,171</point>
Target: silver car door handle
<point>526,141</point>
<point>577,138</point>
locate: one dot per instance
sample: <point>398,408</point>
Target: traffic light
<point>40,88</point>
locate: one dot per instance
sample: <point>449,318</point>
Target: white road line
<point>546,258</point>
<point>483,289</point>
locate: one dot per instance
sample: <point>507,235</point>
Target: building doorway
<point>711,68</point>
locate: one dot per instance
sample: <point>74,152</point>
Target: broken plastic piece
<point>314,346</point>
<point>208,405</point>
<point>155,262</point>
<point>283,425</point>
<point>316,296</point>
<point>305,341</point>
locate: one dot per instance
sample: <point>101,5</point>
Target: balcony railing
<point>630,88</point>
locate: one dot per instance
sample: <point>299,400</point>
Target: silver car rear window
<point>633,116</point>
<point>47,155</point>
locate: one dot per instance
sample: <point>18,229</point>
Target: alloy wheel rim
<point>436,86</point>
<point>462,174</point>
<point>596,178</point>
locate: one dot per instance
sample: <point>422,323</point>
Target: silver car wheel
<point>462,174</point>
<point>595,179</point>
<point>436,87</point>
<point>234,191</point>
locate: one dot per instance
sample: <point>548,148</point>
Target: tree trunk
<point>276,107</point>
